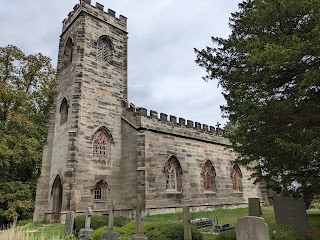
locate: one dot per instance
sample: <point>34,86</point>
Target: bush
<point>96,235</point>
<point>97,221</point>
<point>171,231</point>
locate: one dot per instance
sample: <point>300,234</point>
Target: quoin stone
<point>252,228</point>
<point>99,143</point>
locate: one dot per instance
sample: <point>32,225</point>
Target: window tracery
<point>209,176</point>
<point>100,143</point>
<point>173,175</point>
<point>100,191</point>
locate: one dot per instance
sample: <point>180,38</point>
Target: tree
<point>26,95</point>
<point>268,69</point>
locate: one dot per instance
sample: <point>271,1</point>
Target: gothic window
<point>63,111</point>
<point>104,49</point>
<point>209,177</point>
<point>68,51</point>
<point>173,174</point>
<point>100,191</point>
<point>100,143</point>
<point>97,193</point>
<point>236,177</point>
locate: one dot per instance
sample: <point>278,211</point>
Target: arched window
<point>173,174</point>
<point>209,177</point>
<point>104,49</point>
<point>63,111</point>
<point>236,177</point>
<point>100,144</point>
<point>68,53</point>
<point>100,191</point>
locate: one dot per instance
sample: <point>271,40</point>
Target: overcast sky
<point>162,34</point>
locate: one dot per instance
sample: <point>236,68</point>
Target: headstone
<point>110,234</point>
<point>138,235</point>
<point>254,207</point>
<point>291,212</point>
<point>68,227</point>
<point>14,223</point>
<point>85,233</point>
<point>252,228</point>
<point>186,216</point>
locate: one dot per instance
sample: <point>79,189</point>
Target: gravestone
<point>254,207</point>
<point>14,223</point>
<point>186,216</point>
<point>110,234</point>
<point>68,226</point>
<point>291,212</point>
<point>138,235</point>
<point>85,233</point>
<point>252,228</point>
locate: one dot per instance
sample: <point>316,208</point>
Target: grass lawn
<point>54,231</point>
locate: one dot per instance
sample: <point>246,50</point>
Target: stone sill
<point>173,192</point>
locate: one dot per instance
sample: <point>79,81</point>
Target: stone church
<point>100,147</point>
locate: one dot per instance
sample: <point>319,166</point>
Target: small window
<point>97,193</point>
<point>236,177</point>
<point>99,146</point>
<point>63,111</point>
<point>68,53</point>
<point>104,49</point>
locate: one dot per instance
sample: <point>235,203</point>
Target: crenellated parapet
<point>142,118</point>
<point>98,12</point>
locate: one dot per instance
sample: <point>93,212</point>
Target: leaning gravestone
<point>85,233</point>
<point>291,212</point>
<point>138,235</point>
<point>252,228</point>
<point>110,234</point>
<point>254,207</point>
<point>186,216</point>
<point>14,223</point>
<point>68,226</point>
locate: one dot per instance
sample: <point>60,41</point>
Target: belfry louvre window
<point>99,147</point>
<point>63,111</point>
<point>68,53</point>
<point>236,177</point>
<point>104,49</point>
<point>209,176</point>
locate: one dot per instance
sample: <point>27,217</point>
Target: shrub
<point>97,221</point>
<point>96,235</point>
<point>284,232</point>
<point>171,231</point>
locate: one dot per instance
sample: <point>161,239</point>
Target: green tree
<point>26,95</point>
<point>268,69</point>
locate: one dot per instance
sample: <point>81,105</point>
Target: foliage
<point>97,221</point>
<point>269,71</point>
<point>316,202</point>
<point>229,235</point>
<point>96,235</point>
<point>26,95</point>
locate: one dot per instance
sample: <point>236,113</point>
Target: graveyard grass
<point>54,231</point>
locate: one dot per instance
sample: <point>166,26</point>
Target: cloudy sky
<point>162,34</point>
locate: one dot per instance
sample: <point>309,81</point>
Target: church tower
<point>82,158</point>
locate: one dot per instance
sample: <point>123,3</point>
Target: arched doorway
<point>56,197</point>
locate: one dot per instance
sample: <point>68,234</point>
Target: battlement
<point>96,11</point>
<point>142,118</point>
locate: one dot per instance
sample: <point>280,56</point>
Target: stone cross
<point>252,228</point>
<point>88,217</point>
<point>218,125</point>
<point>186,216</point>
<point>138,236</point>
<point>68,227</point>
<point>110,234</point>
<point>111,216</point>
